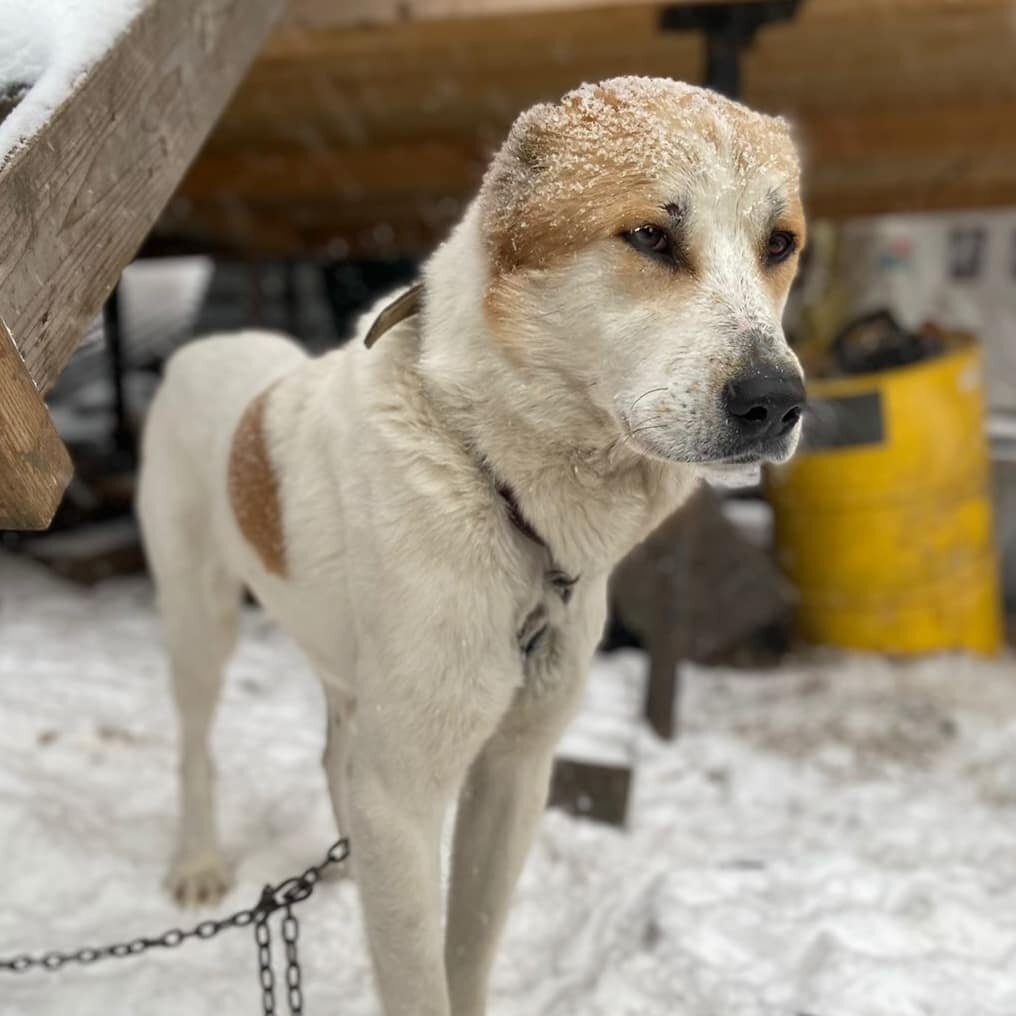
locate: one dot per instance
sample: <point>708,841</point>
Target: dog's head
<point>642,237</point>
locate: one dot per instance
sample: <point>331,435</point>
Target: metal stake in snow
<point>279,897</point>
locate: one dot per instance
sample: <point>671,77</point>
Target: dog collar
<point>557,578</point>
<point>408,305</point>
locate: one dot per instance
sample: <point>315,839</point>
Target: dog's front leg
<point>413,742</point>
<point>499,810</point>
<point>396,819</point>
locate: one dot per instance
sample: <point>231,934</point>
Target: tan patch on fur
<point>608,158</point>
<point>588,166</point>
<point>254,488</point>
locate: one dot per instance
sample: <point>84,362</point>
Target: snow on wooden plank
<point>45,48</point>
<point>76,203</point>
<point>79,198</point>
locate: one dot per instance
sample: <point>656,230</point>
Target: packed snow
<point>837,838</point>
<point>47,45</point>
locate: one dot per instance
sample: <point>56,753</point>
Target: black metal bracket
<point>729,29</point>
<point>112,320</point>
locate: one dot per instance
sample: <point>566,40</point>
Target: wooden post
<point>669,636</point>
<point>77,200</point>
<point>667,649</point>
<point>694,590</point>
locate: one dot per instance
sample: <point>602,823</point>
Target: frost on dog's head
<point>642,236</point>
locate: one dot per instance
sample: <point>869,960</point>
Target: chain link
<point>273,898</point>
<point>266,978</point>
<point>291,936</point>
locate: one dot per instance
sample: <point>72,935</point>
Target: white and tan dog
<point>434,520</point>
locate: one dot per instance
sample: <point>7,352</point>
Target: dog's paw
<point>199,880</point>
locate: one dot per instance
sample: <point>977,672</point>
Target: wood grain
<point>77,201</point>
<point>78,198</point>
<point>34,465</point>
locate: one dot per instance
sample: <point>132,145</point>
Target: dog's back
<point>188,434</point>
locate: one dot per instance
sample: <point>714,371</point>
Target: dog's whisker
<point>652,391</point>
<point>649,426</point>
<point>631,432</point>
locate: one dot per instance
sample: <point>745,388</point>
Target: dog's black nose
<point>765,406</point>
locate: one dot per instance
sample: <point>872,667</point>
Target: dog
<point>433,513</point>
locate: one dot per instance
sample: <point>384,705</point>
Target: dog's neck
<point>578,483</point>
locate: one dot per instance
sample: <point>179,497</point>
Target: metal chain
<point>279,897</point>
<point>266,978</point>
<point>294,990</point>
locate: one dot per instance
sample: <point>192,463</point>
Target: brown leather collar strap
<point>402,307</point>
<point>561,582</point>
<point>515,516</point>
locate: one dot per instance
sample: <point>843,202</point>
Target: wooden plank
<point>357,130</point>
<point>34,465</point>
<point>591,790</point>
<point>367,202</point>
<point>317,13</point>
<point>437,168</point>
<point>76,203</point>
<point>927,159</point>
<point>840,147</point>
<point>596,758</point>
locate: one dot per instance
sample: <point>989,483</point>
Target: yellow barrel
<point>884,521</point>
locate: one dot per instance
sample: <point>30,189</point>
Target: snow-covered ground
<point>836,839</point>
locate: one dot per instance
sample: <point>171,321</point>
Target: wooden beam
<point>78,198</point>
<point>926,144</point>
<point>342,135</point>
<point>423,167</point>
<point>76,202</point>
<point>360,13</point>
<point>34,465</point>
<point>403,196</point>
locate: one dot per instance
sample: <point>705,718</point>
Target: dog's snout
<point>765,405</point>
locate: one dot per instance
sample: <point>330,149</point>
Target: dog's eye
<point>780,246</point>
<point>650,240</point>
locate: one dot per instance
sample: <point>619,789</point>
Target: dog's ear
<point>510,181</point>
<point>402,307</point>
<point>527,140</point>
